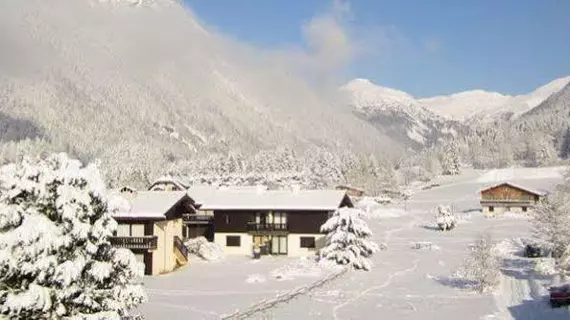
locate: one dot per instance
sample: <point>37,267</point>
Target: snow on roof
<point>170,179</point>
<point>514,185</point>
<point>243,199</point>
<point>346,186</point>
<point>151,204</point>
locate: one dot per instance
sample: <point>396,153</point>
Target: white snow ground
<point>403,284</point>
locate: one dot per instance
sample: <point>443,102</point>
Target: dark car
<point>560,295</point>
<point>534,251</point>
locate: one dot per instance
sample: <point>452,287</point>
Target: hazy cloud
<point>432,45</point>
<point>328,39</point>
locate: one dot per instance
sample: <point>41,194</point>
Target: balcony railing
<point>144,242</point>
<point>254,226</point>
<point>179,245</point>
<point>197,218</point>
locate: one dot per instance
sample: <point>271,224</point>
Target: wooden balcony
<point>144,242</point>
<point>267,228</point>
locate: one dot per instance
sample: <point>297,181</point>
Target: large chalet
<point>508,197</point>
<point>278,222</point>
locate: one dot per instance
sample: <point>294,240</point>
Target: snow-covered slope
<point>489,106</point>
<point>464,105</point>
<point>519,105</point>
<point>142,80</point>
<point>395,112</point>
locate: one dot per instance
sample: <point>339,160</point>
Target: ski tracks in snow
<point>372,288</point>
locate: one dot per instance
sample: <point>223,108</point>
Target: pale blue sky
<point>424,47</point>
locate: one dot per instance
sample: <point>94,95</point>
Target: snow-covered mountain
<point>144,82</point>
<point>396,113</point>
<point>489,106</point>
<point>465,105</point>
<point>519,105</point>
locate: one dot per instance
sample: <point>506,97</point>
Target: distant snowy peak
<point>464,105</point>
<point>489,106</point>
<point>396,112</point>
<point>135,3</point>
<point>365,95</point>
<point>522,104</point>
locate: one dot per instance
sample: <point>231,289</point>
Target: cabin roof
<point>212,198</point>
<point>346,186</point>
<point>170,179</point>
<point>151,204</point>
<point>517,186</point>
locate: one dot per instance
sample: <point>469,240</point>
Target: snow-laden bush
<point>348,239</point>
<point>545,266</point>
<point>423,245</point>
<point>55,258</point>
<point>204,249</point>
<point>552,226</point>
<point>255,278</point>
<point>445,218</point>
<point>482,267</point>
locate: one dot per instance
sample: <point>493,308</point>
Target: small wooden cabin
<point>350,190</point>
<point>167,183</point>
<point>508,197</point>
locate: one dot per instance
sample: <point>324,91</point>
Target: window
<point>524,209</point>
<point>491,209</point>
<point>279,245</point>
<point>130,230</point>
<point>137,230</point>
<point>307,242</point>
<point>233,241</point>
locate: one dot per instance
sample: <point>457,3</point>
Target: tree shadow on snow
<point>431,227</point>
<point>517,268</point>
<point>538,309</point>
<point>456,282</point>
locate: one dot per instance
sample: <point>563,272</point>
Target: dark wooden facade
<point>507,192</point>
<point>243,221</point>
<point>298,221</point>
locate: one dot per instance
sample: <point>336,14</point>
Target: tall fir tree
<point>56,261</point>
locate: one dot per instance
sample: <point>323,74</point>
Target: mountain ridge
<point>466,106</point>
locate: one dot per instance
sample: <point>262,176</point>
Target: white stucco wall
<point>163,258</point>
<point>502,209</point>
<point>294,244</point>
<point>246,247</point>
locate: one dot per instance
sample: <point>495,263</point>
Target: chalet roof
<point>514,185</point>
<point>346,186</point>
<point>170,179</point>
<point>248,198</point>
<point>151,204</point>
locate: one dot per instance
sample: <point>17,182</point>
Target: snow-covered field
<point>404,283</point>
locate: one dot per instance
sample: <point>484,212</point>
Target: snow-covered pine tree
<point>565,146</point>
<point>55,258</point>
<point>445,218</point>
<point>450,161</point>
<point>551,225</point>
<point>348,239</point>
